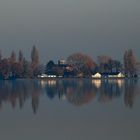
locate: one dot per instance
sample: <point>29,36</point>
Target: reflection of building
<point>51,82</point>
<point>96,82</point>
<point>43,83</point>
<point>109,90</point>
<point>120,82</point>
<point>76,91</point>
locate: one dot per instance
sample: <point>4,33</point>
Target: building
<point>108,75</point>
<point>97,75</point>
<point>62,62</point>
<point>120,75</point>
<point>116,75</point>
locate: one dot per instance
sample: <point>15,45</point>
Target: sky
<point>59,28</point>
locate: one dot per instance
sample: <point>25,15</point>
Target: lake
<point>70,109</point>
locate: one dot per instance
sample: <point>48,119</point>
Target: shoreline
<point>109,78</point>
<point>59,78</point>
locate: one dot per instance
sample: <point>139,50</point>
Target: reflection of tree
<point>35,102</point>
<point>16,92</point>
<point>51,88</point>
<point>35,96</point>
<point>130,92</point>
<point>80,92</point>
<point>76,91</point>
<point>109,89</point>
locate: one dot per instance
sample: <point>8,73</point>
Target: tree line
<point>77,64</point>
<point>19,66</point>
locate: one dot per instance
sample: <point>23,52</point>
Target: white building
<point>62,62</point>
<point>46,76</point>
<point>42,76</point>
<point>97,75</point>
<point>119,75</point>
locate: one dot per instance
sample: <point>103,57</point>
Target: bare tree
<point>105,63</point>
<point>35,61</point>
<point>103,59</point>
<point>81,63</point>
<point>0,55</point>
<point>20,57</point>
<point>13,57</point>
<point>130,63</point>
<point>35,56</point>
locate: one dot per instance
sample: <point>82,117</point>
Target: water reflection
<point>131,90</point>
<point>76,91</point>
<point>110,89</point>
<point>17,92</point>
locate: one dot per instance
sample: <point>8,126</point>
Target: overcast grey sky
<point>61,27</point>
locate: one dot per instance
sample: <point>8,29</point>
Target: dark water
<point>70,110</point>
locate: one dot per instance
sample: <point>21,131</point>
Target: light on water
<point>70,109</point>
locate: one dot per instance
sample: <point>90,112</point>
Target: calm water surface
<point>72,109</point>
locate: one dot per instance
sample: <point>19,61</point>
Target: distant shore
<point>109,78</point>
